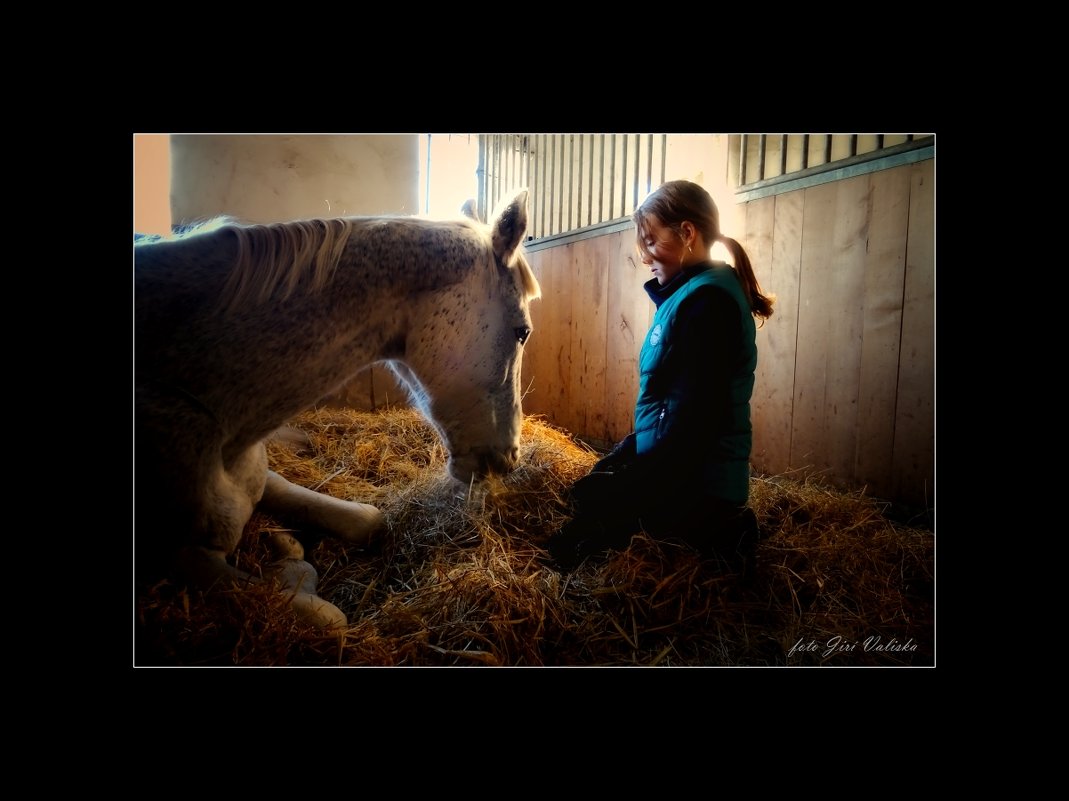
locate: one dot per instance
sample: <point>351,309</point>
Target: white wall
<point>271,178</point>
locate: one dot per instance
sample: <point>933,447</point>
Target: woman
<point>684,472</point>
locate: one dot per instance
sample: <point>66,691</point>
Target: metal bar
<point>827,148</point>
<point>480,179</point>
<point>571,176</point>
<point>742,160</point>
<point>502,166</point>
<point>664,157</point>
<point>490,196</point>
<point>649,168</point>
<point>499,184</point>
<point>526,145</point>
<point>544,156</point>
<point>783,154</point>
<point>427,186</point>
<point>853,144</point>
<point>636,179</point>
<point>579,188</point>
<point>805,151</point>
<point>601,192</point>
<point>553,180</point>
<point>494,178</point>
<point>560,200</point>
<point>514,166</point>
<point>598,229</point>
<point>612,180</point>
<point>761,142</point>
<point>590,189</point>
<point>529,175</point>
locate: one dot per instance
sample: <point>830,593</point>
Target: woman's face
<point>664,250</point>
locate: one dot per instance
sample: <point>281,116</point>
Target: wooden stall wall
<point>845,383</point>
<point>580,365</point>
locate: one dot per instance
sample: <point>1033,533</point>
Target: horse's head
<point>463,357</point>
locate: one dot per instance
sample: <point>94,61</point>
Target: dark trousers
<point>609,508</point>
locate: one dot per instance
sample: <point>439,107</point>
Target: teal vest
<point>726,473</point>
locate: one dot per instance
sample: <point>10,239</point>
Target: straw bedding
<point>457,579</point>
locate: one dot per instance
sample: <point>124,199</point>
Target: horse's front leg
<point>207,567</point>
<point>351,521</point>
<point>227,501</point>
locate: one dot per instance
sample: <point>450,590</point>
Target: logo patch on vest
<point>655,334</point>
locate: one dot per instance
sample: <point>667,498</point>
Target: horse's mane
<point>276,258</point>
<point>280,255</point>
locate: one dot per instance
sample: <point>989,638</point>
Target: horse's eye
<point>522,334</point>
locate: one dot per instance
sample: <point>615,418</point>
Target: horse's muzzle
<point>500,463</point>
<point>482,463</point>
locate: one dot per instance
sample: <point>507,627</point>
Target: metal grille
<point>576,180</point>
<point>758,158</point>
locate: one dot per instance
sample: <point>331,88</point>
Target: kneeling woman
<point>684,472</point>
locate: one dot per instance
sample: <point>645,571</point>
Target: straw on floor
<point>457,579</point>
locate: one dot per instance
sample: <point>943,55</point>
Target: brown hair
<point>676,202</point>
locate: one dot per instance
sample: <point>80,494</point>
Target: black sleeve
<point>707,343</point>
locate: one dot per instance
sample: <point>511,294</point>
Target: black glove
<point>622,454</point>
<point>594,493</point>
<point>612,484</point>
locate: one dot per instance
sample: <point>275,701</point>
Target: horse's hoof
<point>300,578</point>
<point>360,524</point>
<point>314,610</point>
<point>294,574</point>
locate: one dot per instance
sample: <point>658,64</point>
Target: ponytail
<point>760,304</point>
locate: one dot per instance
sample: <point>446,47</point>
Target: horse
<point>239,327</point>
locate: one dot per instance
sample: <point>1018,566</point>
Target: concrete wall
<point>269,178</point>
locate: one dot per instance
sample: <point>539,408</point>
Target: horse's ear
<point>469,210</point>
<point>510,224</point>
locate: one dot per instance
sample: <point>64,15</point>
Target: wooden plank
<point>817,276</point>
<point>778,338</point>
<point>756,227</point>
<point>888,215</point>
<point>544,383</point>
<point>628,319</point>
<point>845,310</point>
<point>913,462</point>
<point>533,351</point>
<point>587,364</point>
<point>772,234</point>
<point>556,377</point>
<point>564,411</point>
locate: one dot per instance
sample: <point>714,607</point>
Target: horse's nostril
<point>496,462</point>
<point>501,462</point>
